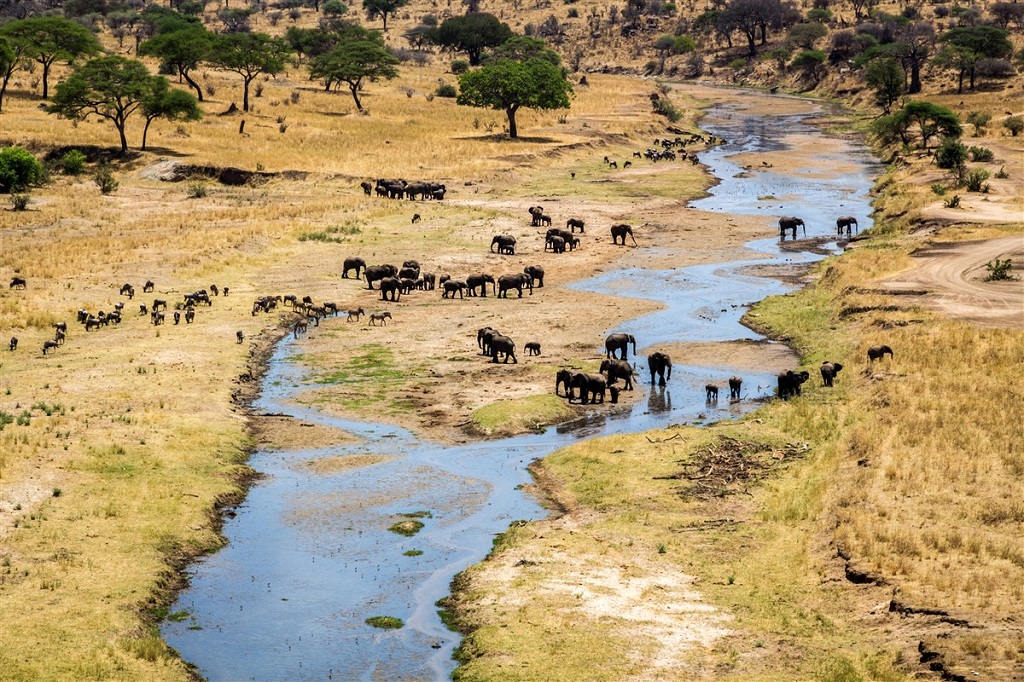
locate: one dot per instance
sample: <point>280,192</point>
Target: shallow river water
<point>309,556</point>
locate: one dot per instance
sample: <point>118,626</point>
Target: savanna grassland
<point>877,532</point>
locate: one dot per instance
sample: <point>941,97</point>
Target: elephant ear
<point>837,366</point>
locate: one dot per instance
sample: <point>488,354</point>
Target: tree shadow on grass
<point>503,137</point>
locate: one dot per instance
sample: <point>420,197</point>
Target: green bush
<point>19,202</point>
<point>334,8</point>
<point>105,180</point>
<point>1014,124</point>
<point>999,270</point>
<point>979,120</point>
<point>386,622</point>
<point>665,108</point>
<point>72,163</point>
<point>981,154</point>
<point>459,66</point>
<point>446,90</point>
<point>19,169</point>
<point>951,153</point>
<point>975,181</point>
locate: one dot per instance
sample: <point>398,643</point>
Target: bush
<point>19,169</point>
<point>105,179</point>
<point>665,108</point>
<point>573,13</point>
<point>952,202</point>
<point>939,188</point>
<point>951,153</point>
<point>19,202</point>
<point>979,120</point>
<point>999,270</point>
<point>1014,124</point>
<point>446,90</point>
<point>981,154</point>
<point>197,189</point>
<point>334,8</point>
<point>975,181</point>
<point>1001,173</point>
<point>72,163</point>
<point>459,66</point>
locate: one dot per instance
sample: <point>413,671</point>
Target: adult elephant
<point>592,385</point>
<point>790,382</point>
<point>483,339</point>
<point>409,273</point>
<point>829,370</point>
<point>619,342</point>
<point>506,244</point>
<point>535,215</point>
<point>517,282</point>
<point>555,243</point>
<point>660,365</point>
<point>735,386</point>
<point>564,377</point>
<point>879,352</point>
<point>375,273</point>
<point>791,223</point>
<point>573,223</point>
<point>503,345</point>
<point>618,369</point>
<point>451,286</point>
<point>391,289</point>
<point>843,224</point>
<point>620,232</point>
<point>536,273</point>
<point>479,281</point>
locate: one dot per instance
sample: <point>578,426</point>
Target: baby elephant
<point>712,393</point>
<point>532,348</point>
<point>239,336</point>
<point>14,343</point>
<point>879,352</point>
<point>829,370</point>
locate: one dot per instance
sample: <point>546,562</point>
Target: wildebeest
<point>14,343</point>
<point>177,317</point>
<point>299,328</point>
<point>190,315</point>
<point>128,290</point>
<point>157,317</point>
<point>148,286</point>
<point>415,218</point>
<point>18,283</point>
<point>239,336</point>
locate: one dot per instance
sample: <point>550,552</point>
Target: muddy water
<point>309,555</point>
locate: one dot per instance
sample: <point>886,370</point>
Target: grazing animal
<point>14,343</point>
<point>61,326</point>
<point>354,315</point>
<point>573,223</point>
<point>18,283</point>
<point>711,391</point>
<point>627,164</point>
<point>214,290</point>
<point>735,384</point>
<point>48,346</point>
<point>148,286</point>
<point>128,290</point>
<point>380,317</point>
<point>158,304</point>
<point>367,187</point>
<point>532,348</point>
<point>879,352</point>
<point>190,315</point>
<point>613,164</point>
<point>157,316</point>
<point>299,328</point>
<point>143,310</point>
<point>415,218</point>
<point>829,370</point>
<point>239,336</point>
<point>177,317</point>
<point>572,174</point>
<point>225,292</point>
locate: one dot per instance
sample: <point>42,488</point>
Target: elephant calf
<point>829,370</point>
<point>879,352</point>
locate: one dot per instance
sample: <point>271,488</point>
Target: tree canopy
<point>170,103</point>
<point>48,39</point>
<point>966,46</point>
<point>383,8</point>
<point>181,52</point>
<point>249,55</point>
<point>355,59</point>
<point>509,84</point>
<point>885,76</point>
<point>929,119</point>
<point>471,33</point>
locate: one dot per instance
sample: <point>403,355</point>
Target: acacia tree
<point>383,8</point>
<point>510,84</point>
<point>173,104</point>
<point>9,56</point>
<point>181,51</point>
<point>471,33</point>
<point>249,55</point>
<point>355,59</point>
<point>885,76</point>
<point>929,119</point>
<point>48,39</point>
<point>752,17</point>
<point>965,46</point>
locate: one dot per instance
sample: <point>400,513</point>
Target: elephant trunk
<point>633,341</point>
<point>668,371</point>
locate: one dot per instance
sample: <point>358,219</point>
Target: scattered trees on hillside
<point>383,8</point>
<point>249,55</point>
<point>181,52</point>
<point>169,103</point>
<point>472,33</point>
<point>357,56</point>
<point>48,39</point>
<point>965,47</point>
<point>927,118</point>
<point>753,18</point>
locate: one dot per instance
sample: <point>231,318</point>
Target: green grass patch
<point>385,622</point>
<point>418,515</point>
<point>407,528</point>
<point>412,552</point>
<point>516,415</point>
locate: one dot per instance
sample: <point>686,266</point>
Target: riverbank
<point>846,534</point>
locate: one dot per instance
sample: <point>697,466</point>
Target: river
<point>309,556</point>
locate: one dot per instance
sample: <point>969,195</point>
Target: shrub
<point>197,189</point>
<point>981,154</point>
<point>105,179</point>
<point>573,13</point>
<point>952,202</point>
<point>386,622</point>
<point>1001,173</point>
<point>19,202</point>
<point>334,8</point>
<point>951,153</point>
<point>446,90</point>
<point>72,163</point>
<point>939,189</point>
<point>975,181</point>
<point>999,270</point>
<point>665,108</point>
<point>979,120</point>
<point>738,64</point>
<point>1014,124</point>
<point>19,169</point>
<point>459,66</point>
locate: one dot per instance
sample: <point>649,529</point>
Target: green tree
<point>383,8</point>
<point>472,34</point>
<point>19,169</point>
<point>965,46</point>
<point>668,45</point>
<point>173,104</point>
<point>48,39</point>
<point>249,55</point>
<point>181,52</point>
<point>806,34</point>
<point>929,120</point>
<point>113,88</point>
<point>8,63</point>
<point>753,17</point>
<point>885,76</point>
<point>509,85</point>
<point>354,60</point>
<point>812,64</point>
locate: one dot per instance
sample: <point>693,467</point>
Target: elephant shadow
<point>659,400</point>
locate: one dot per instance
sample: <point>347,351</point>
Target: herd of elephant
<point>844,225</point>
<point>556,240</point>
<point>394,282</point>
<point>400,189</point>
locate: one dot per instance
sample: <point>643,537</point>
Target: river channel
<point>310,557</point>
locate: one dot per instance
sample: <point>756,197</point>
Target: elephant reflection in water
<point>659,400</point>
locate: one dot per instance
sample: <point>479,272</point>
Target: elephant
<point>572,243</point>
<point>790,223</point>
<point>593,385</point>
<point>573,223</point>
<point>14,346</point>
<point>367,187</point>
<point>506,244</point>
<point>711,393</point>
<point>844,223</point>
<point>415,264</point>
<point>429,281</point>
<point>517,282</point>
<point>451,286</point>
<point>660,364</point>
<point>483,339</point>
<point>391,289</point>
<point>879,352</point>
<point>620,342</point>
<point>535,213</point>
<point>536,273</point>
<point>618,369</point>
<point>480,281</point>
<point>504,345</point>
<point>555,243</point>
<point>409,273</point>
<point>620,231</point>
<point>532,348</point>
<point>408,284</point>
<point>790,381</point>
<point>829,370</point>
<point>735,385</point>
<point>566,235</point>
<point>378,272</point>
<point>564,376</point>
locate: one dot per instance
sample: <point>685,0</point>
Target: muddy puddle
<point>310,556</point>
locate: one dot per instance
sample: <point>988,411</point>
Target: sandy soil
<point>954,275</point>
